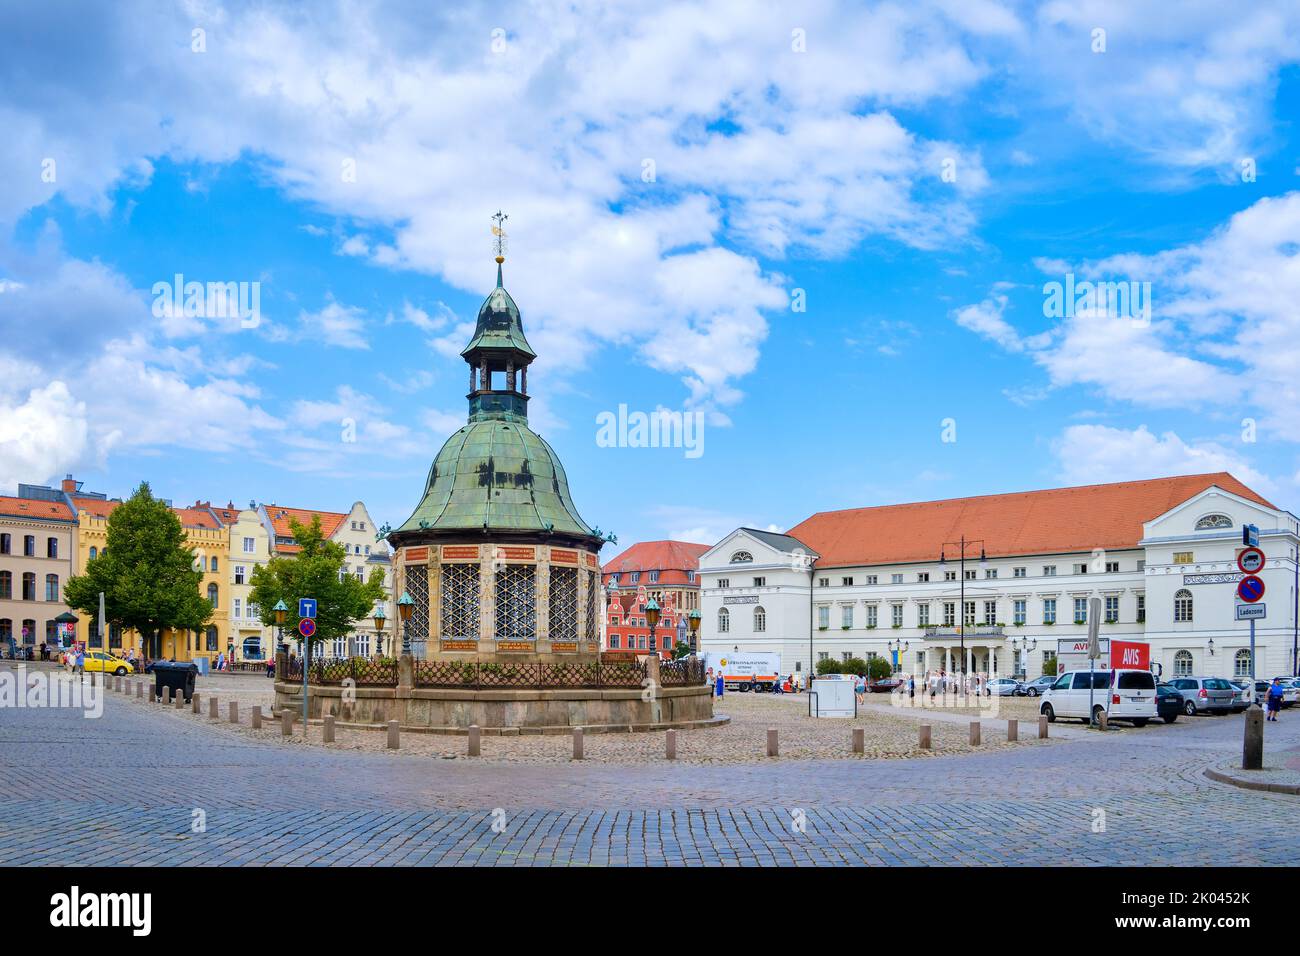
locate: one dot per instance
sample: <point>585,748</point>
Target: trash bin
<point>177,675</point>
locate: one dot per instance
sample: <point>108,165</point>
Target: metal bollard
<point>925,737</point>
<point>670,745</point>
<point>327,729</point>
<point>859,740</point>
<point>212,708</point>
<point>773,747</point>
<point>393,741</point>
<point>1013,730</point>
<point>577,743</point>
<point>974,733</point>
<point>286,722</point>
<point>1042,726</point>
<point>234,712</point>
<point>472,748</point>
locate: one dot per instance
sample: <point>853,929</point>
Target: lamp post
<point>961,609</point>
<point>1024,645</point>
<point>652,618</point>
<point>380,620</point>
<point>693,621</point>
<point>280,611</point>
<point>898,646</point>
<point>404,607</point>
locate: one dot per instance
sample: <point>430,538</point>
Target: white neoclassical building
<point>892,581</point>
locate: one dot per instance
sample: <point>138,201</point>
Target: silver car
<point>1004,687</point>
<point>1204,694</point>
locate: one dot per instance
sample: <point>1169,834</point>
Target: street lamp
<point>404,608</point>
<point>280,611</point>
<point>899,647</point>
<point>961,610</point>
<point>693,621</point>
<point>652,618</point>
<point>380,620</point>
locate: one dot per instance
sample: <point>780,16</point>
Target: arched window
<point>212,594</point>
<point>1183,664</point>
<point>214,564</point>
<point>94,553</point>
<point>212,638</point>
<point>724,620</point>
<point>51,587</point>
<point>29,586</point>
<point>51,547</point>
<point>1241,663</point>
<point>29,631</point>
<point>1182,606</point>
<point>742,557</point>
<point>1210,522</point>
<point>252,649</point>
<point>6,630</point>
<point>760,619</point>
<point>6,585</point>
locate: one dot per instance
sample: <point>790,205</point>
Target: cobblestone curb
<point>1269,780</point>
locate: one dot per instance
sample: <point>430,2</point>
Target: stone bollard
<point>256,717</point>
<point>117,684</point>
<point>139,690</point>
<point>773,746</point>
<point>577,743</point>
<point>194,703</point>
<point>1013,730</point>
<point>1103,721</point>
<point>286,722</point>
<point>859,740</point>
<point>212,708</point>
<point>974,733</point>
<point>179,699</point>
<point>670,745</point>
<point>394,742</point>
<point>1252,746</point>
<point>473,741</point>
<point>1042,726</point>
<point>166,697</point>
<point>327,729</point>
<point>925,737</point>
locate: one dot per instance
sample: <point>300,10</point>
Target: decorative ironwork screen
<point>516,603</point>
<point>417,585</point>
<point>593,615</point>
<point>471,674</point>
<point>459,605</point>
<point>564,604</point>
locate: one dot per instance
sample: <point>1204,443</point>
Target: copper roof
<point>1054,521</point>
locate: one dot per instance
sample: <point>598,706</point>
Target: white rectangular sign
<point>1252,612</point>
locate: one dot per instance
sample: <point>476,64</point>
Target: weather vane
<point>499,235</point>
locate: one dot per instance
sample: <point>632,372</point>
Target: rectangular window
<point>249,545</point>
<point>5,544</point>
<point>949,613</point>
<point>968,613</point>
<point>922,577</point>
<point>240,574</point>
<point>846,615</point>
<point>1142,566</point>
<point>823,617</point>
<point>29,546</point>
<point>1018,610</point>
<point>1112,567</point>
<point>1142,609</point>
<point>846,582</point>
<point>1182,557</point>
<point>895,579</point>
<point>1017,572</point>
<point>823,582</point>
<point>990,612</point>
<point>690,577</point>
<point>822,655</point>
<point>238,608</point>
<point>1112,610</point>
<point>1049,610</point>
<point>760,582</point>
<point>722,582</point>
<point>1080,610</point>
<point>950,575</point>
<point>613,642</point>
<point>871,615</point>
<point>923,615</point>
<point>896,614</point>
<point>1049,570</point>
<point>970,575</point>
<point>990,573</point>
<point>51,547</point>
<point>871,579</point>
<point>636,576</point>
<point>654,577</point>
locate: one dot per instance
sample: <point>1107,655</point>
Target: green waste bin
<point>177,675</point>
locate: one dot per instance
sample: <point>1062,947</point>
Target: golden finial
<point>499,233</point>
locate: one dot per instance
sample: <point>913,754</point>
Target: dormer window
<point>742,557</point>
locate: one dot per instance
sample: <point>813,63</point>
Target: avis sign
<point>1130,656</point>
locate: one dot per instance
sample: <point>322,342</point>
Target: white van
<point>1121,695</point>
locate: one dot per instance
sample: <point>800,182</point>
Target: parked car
<point>1290,692</point>
<point>1004,687</point>
<point>1123,695</point>
<point>1240,695</point>
<point>884,686</point>
<point>1169,702</point>
<point>1204,694</point>
<point>1036,686</point>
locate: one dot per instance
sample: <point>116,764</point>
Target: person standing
<point>1275,693</point>
<point>79,663</point>
<point>719,686</point>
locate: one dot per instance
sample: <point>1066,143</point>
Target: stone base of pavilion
<point>515,710</point>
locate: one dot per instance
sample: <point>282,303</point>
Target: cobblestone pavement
<point>124,789</point>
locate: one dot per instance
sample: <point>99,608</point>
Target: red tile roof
<point>330,521</point>
<point>1055,521</point>
<point>30,508</point>
<point>197,518</point>
<point>657,556</point>
<point>98,507</point>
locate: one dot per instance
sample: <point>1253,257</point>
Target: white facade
<point>249,549</point>
<point>909,613</point>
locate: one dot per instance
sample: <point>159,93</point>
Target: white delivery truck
<point>1072,654</point>
<point>758,670</point>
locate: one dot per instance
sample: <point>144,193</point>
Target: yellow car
<point>100,661</point>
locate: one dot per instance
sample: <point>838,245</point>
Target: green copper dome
<point>499,325</point>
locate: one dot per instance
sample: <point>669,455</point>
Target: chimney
<point>69,485</point>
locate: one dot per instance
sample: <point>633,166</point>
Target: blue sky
<point>803,150</point>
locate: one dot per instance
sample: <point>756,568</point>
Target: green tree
<point>146,573</point>
<point>315,572</point>
<point>681,650</point>
<point>878,668</point>
<point>1049,665</point>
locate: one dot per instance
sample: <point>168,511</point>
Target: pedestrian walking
<point>1275,693</point>
<point>79,663</point>
<point>719,686</point>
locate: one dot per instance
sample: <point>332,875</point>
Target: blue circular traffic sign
<point>307,627</point>
<point>1250,589</point>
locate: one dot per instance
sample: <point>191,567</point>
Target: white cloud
<point>986,319</point>
<point>43,436</point>
<point>335,324</point>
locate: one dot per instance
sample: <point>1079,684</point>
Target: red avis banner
<point>1130,656</point>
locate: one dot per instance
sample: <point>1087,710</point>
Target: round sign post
<point>1250,560</point>
<point>1250,589</point>
<point>307,628</point>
